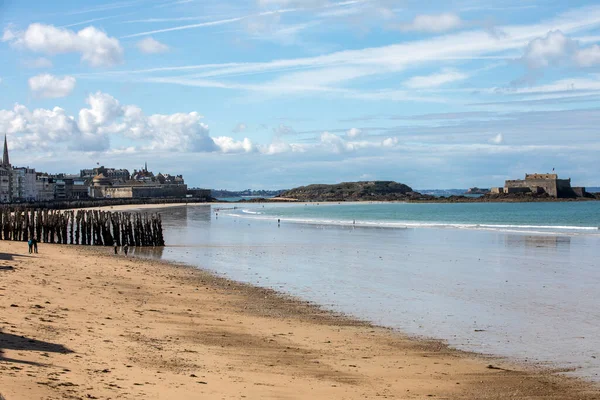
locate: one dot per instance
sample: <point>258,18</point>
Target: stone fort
<point>539,184</point>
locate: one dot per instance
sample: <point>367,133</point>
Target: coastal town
<point>25,184</point>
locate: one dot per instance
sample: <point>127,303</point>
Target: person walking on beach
<point>116,249</point>
<point>126,249</point>
<point>30,244</point>
<point>35,242</point>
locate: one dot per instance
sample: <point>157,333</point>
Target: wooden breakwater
<point>84,227</point>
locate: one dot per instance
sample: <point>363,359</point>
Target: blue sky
<point>278,93</point>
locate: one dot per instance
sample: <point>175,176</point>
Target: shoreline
<point>100,325</point>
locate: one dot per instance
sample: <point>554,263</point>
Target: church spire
<point>5,159</point>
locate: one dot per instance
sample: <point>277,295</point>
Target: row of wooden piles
<point>85,227</point>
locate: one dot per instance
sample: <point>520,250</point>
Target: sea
<point>516,280</point>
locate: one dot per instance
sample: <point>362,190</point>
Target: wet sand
<point>82,323</point>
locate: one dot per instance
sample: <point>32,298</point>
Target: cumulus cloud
<point>390,142</point>
<point>279,146</point>
<point>151,46</point>
<point>498,139</point>
<point>557,49</point>
<point>354,132</point>
<point>229,145</point>
<point>96,47</point>
<point>38,128</point>
<point>434,23</point>
<point>93,128</point>
<point>435,80</point>
<point>103,109</point>
<point>50,86</point>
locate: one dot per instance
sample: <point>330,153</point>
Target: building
<point>16,183</point>
<point>23,184</point>
<point>69,187</point>
<point>105,188</point>
<point>45,187</point>
<point>540,184</point>
<point>112,173</point>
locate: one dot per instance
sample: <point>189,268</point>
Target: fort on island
<point>548,184</point>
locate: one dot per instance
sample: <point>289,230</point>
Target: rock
<point>354,191</point>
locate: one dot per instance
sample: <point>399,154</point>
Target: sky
<point>280,93</point>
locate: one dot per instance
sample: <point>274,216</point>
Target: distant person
<point>126,249</point>
<point>35,242</point>
<point>278,221</point>
<point>116,249</point>
<point>30,245</point>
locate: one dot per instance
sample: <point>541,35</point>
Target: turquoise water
<point>582,217</point>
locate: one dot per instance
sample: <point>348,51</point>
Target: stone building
<point>45,187</point>
<point>104,187</point>
<point>539,184</point>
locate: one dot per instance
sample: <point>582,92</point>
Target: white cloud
<point>548,50</point>
<point>103,109</point>
<point>555,48</point>
<point>230,145</point>
<point>39,128</point>
<point>338,144</point>
<point>390,142</point>
<point>435,80</point>
<point>50,86</point>
<point>151,46</point>
<point>40,62</point>
<point>588,57</point>
<point>179,132</point>
<point>279,146</point>
<point>498,139</point>
<point>96,48</point>
<point>354,133</point>
<point>434,23</point>
<point>105,116</point>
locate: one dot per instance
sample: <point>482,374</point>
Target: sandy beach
<point>82,323</point>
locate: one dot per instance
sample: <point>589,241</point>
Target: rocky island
<point>355,191</point>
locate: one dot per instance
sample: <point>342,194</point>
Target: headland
<point>83,323</point>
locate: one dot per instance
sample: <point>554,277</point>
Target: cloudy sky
<point>278,93</point>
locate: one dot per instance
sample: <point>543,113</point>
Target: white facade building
<point>16,184</point>
<point>23,184</point>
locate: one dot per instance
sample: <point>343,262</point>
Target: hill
<point>355,191</point>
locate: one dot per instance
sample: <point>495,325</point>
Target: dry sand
<point>81,323</point>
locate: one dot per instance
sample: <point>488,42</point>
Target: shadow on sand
<point>14,342</point>
<point>10,256</point>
